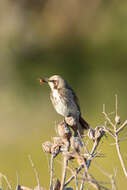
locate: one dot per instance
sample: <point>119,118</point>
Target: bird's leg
<point>75,133</point>
<point>72,122</point>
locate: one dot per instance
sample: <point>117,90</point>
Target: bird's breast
<point>62,104</point>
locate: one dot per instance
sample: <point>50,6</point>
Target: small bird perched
<point>65,102</point>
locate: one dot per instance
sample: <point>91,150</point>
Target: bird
<point>66,102</point>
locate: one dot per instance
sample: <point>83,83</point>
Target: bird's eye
<point>52,81</point>
<point>55,82</point>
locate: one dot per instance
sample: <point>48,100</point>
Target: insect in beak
<point>42,80</point>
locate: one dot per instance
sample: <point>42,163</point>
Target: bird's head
<point>55,82</point>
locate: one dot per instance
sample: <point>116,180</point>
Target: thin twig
<point>76,181</point>
<point>117,139</point>
<point>72,177</point>
<point>89,161</point>
<point>106,116</point>
<point>110,176</point>
<point>84,176</point>
<point>116,133</point>
<point>17,176</point>
<point>120,156</point>
<point>48,161</point>
<point>122,127</point>
<point>92,153</point>
<point>116,105</point>
<point>82,184</point>
<point>109,132</point>
<point>95,183</point>
<point>65,163</point>
<point>84,145</point>
<point>35,171</point>
<point>6,179</point>
<point>68,168</point>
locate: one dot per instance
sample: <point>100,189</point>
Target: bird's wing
<point>69,94</point>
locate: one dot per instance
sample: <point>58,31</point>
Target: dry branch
<point>116,132</point>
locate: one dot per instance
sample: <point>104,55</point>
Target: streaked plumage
<point>64,99</point>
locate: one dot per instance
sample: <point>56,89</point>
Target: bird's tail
<point>83,124</point>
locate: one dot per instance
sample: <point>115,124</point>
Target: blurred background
<point>84,41</point>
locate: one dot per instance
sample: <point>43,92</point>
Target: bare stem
<point>84,145</point>
<point>116,105</point>
<point>76,181</point>
<point>120,157</point>
<point>72,177</point>
<point>89,161</point>
<point>116,133</point>
<point>106,116</point>
<point>5,178</point>
<point>109,132</point>
<point>65,163</point>
<point>51,172</point>
<point>95,145</point>
<point>92,152</point>
<point>122,127</point>
<point>82,184</point>
<point>110,176</point>
<point>35,171</point>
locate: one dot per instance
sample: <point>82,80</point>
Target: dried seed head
<point>99,132</point>
<point>55,149</point>
<point>91,133</point>
<point>117,119</point>
<point>64,130</point>
<point>96,133</point>
<point>76,144</point>
<point>47,146</point>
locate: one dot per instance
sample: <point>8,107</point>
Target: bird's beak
<point>42,80</point>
